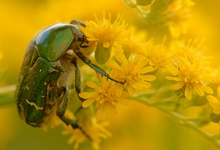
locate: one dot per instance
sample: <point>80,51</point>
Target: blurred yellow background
<point>137,126</point>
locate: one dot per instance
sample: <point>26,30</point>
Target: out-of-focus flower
<point>134,71</point>
<point>177,16</point>
<point>108,37</point>
<point>90,129</point>
<point>172,13</point>
<point>189,76</point>
<point>214,101</point>
<point>135,43</point>
<point>52,120</point>
<point>192,49</point>
<point>156,54</point>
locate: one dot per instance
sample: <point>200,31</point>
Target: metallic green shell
<point>40,67</point>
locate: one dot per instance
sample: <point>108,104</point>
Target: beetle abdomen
<point>32,93</point>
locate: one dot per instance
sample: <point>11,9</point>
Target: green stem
<point>7,95</point>
<point>182,120</point>
<point>6,89</point>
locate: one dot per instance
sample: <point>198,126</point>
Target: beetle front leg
<point>93,66</point>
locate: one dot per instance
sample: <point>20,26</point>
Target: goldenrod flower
<point>156,54</point>
<point>134,71</point>
<point>135,43</point>
<point>215,102</point>
<point>90,129</point>
<point>52,120</point>
<point>189,76</point>
<point>105,95</point>
<point>107,36</point>
<point>177,16</point>
<point>192,49</point>
<point>77,136</point>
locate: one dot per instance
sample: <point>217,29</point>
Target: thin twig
<point>6,89</point>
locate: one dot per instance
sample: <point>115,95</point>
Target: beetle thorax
<point>66,77</point>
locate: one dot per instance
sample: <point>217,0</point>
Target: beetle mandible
<point>49,62</point>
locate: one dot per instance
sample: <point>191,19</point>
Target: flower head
<point>189,76</point>
<point>107,36</point>
<point>134,71</point>
<point>105,95</point>
<point>90,129</point>
<point>177,16</point>
<point>156,54</point>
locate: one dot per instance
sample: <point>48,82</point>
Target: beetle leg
<point>93,66</point>
<point>62,106</point>
<point>77,78</point>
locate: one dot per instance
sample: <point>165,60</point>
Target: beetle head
<point>83,41</point>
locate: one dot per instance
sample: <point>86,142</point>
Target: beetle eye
<point>83,41</point>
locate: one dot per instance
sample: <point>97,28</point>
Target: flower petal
<point>91,84</point>
<point>149,77</point>
<point>177,86</point>
<point>198,89</point>
<point>147,69</point>
<point>207,89</point>
<point>113,65</point>
<point>87,95</point>
<point>88,102</point>
<point>188,93</point>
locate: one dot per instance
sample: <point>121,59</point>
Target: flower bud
<point>103,52</point>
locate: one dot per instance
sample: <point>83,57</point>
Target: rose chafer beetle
<point>49,62</point>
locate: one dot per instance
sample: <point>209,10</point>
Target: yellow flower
<point>105,95</point>
<point>91,129</point>
<point>107,36</point>
<point>156,54</point>
<point>189,76</point>
<point>192,49</point>
<point>177,16</point>
<point>215,102</point>
<point>77,136</point>
<point>52,120</point>
<point>134,43</point>
<point>135,73</point>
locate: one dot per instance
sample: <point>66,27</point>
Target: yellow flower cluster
<point>138,65</point>
<point>172,13</point>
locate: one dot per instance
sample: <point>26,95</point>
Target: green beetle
<point>49,62</point>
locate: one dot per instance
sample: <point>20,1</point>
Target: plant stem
<point>182,120</point>
<point>7,95</point>
<point>6,89</point>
